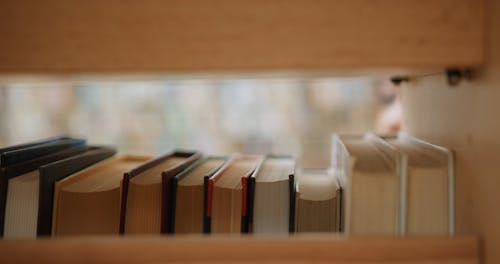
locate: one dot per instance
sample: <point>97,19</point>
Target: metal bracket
<point>453,75</point>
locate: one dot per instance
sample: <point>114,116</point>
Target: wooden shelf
<point>165,36</point>
<point>189,36</point>
<point>297,249</point>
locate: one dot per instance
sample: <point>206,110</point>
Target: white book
<point>428,186</point>
<point>370,174</point>
<point>272,195</point>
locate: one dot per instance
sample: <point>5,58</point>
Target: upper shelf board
<point>115,36</point>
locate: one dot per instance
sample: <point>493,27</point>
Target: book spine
<point>292,190</point>
<point>173,205</point>
<point>250,203</point>
<point>123,205</point>
<point>207,208</point>
<point>168,177</point>
<point>244,202</point>
<point>165,201</point>
<point>340,213</point>
<point>4,182</point>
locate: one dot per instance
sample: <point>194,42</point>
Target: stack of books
<point>64,187</point>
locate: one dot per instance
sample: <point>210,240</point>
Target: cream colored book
<point>318,201</point>
<point>428,186</point>
<point>370,173</point>
<point>271,192</point>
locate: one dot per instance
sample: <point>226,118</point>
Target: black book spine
<point>173,205</point>
<point>207,221</point>
<point>4,182</point>
<point>167,185</point>
<point>123,205</point>
<point>291,226</point>
<point>340,210</point>
<point>250,204</point>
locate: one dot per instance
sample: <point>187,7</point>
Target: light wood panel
<point>115,36</point>
<point>461,250</point>
<point>466,119</point>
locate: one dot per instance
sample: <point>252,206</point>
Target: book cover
<point>25,152</point>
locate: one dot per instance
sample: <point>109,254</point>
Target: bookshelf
<point>76,37</point>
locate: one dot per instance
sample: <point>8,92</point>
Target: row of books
<point>62,186</point>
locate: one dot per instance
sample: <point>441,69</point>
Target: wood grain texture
<point>466,119</point>
<point>115,36</point>
<point>323,249</point>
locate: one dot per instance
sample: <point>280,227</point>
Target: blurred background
<point>215,115</point>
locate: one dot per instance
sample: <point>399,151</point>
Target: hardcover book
<point>147,192</point>
<point>56,171</point>
<point>188,197</point>
<point>427,186</point>
<point>370,175</point>
<point>89,201</point>
<point>318,201</point>
<point>226,190</point>
<point>271,196</point>
<point>20,189</point>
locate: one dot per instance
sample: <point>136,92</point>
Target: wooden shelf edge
<point>58,36</point>
<point>296,249</point>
